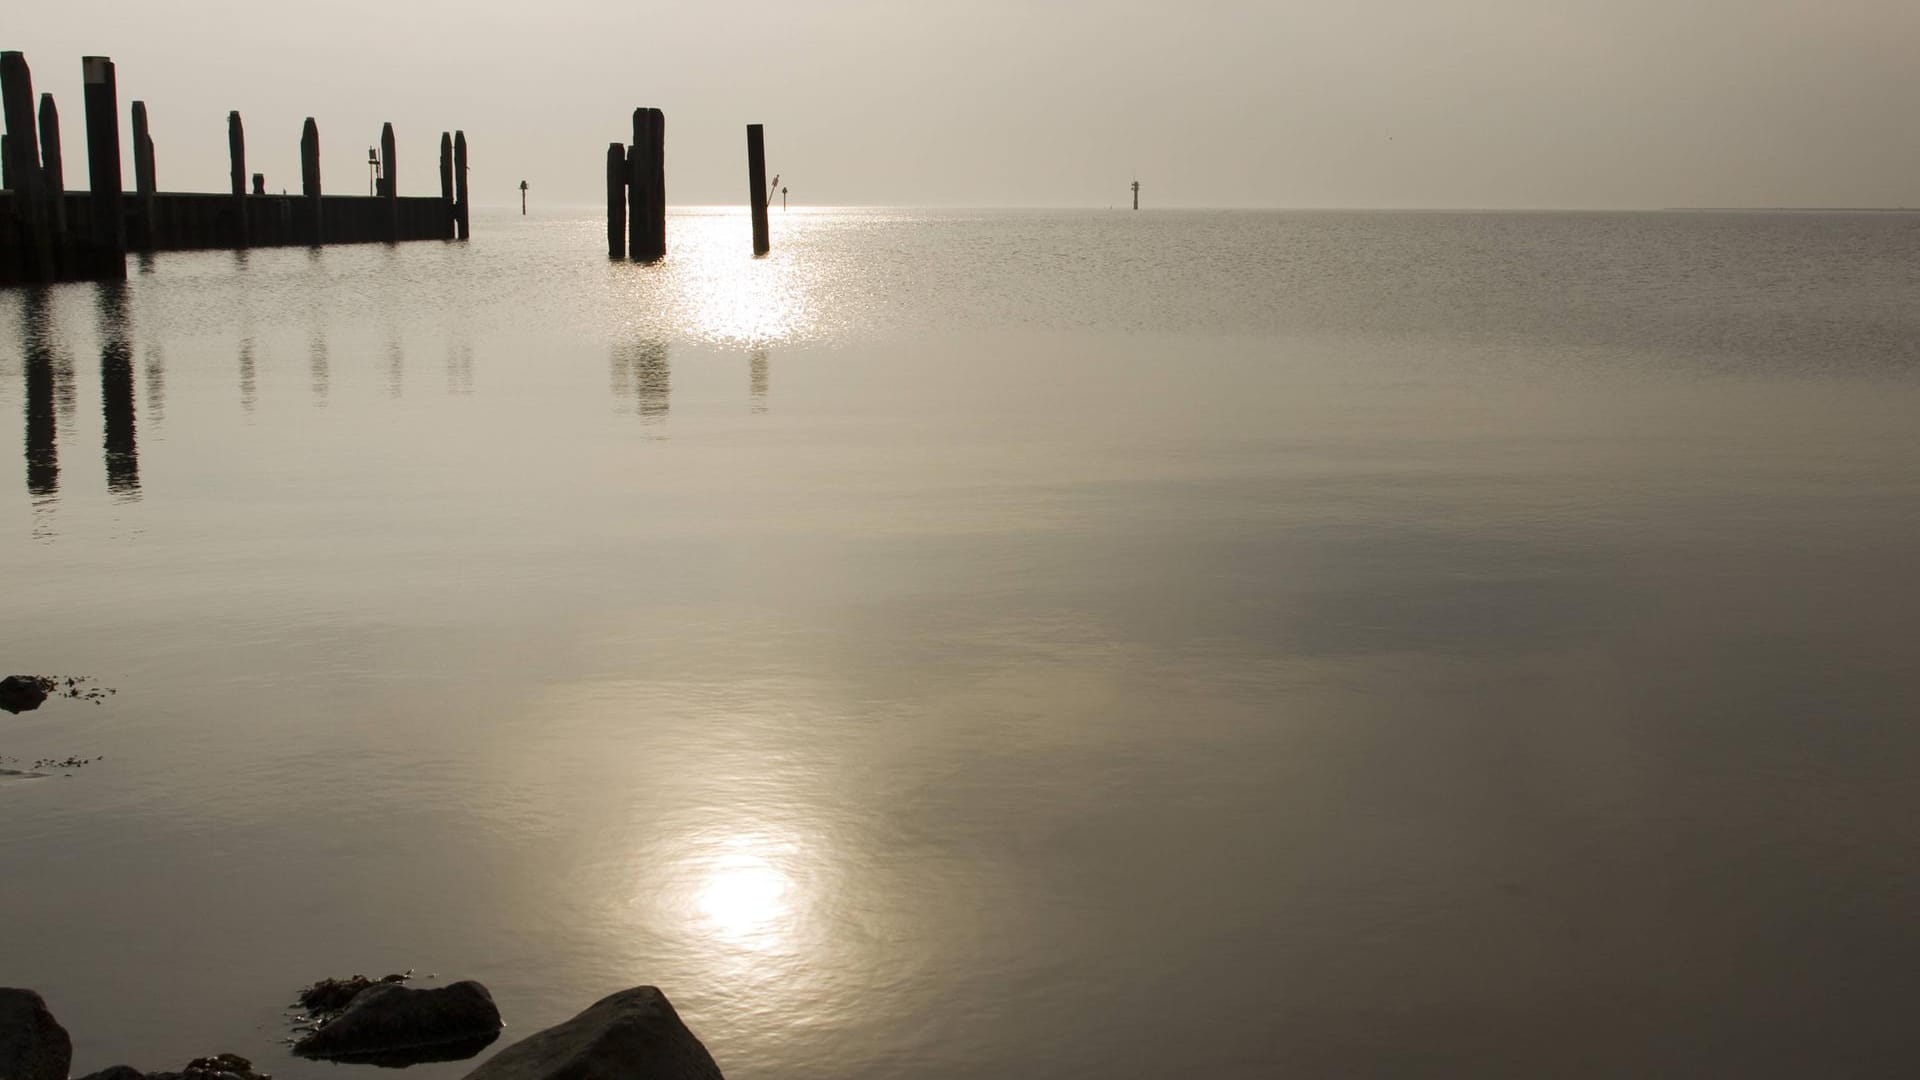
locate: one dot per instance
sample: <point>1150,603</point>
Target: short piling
<point>647,187</point>
<point>462,218</point>
<point>616,201</point>
<point>143,178</point>
<point>259,183</point>
<point>108,255</point>
<point>53,175</point>
<point>310,180</point>
<point>757,180</point>
<point>390,181</point>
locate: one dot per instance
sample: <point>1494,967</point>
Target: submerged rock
<point>33,1045</point>
<point>116,1072</point>
<point>390,1024</point>
<point>218,1067</point>
<point>333,995</point>
<point>631,1035</point>
<point>24,693</point>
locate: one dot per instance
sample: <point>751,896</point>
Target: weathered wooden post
<point>29,253</point>
<point>462,211</point>
<point>757,180</point>
<point>108,257</point>
<point>6,161</point>
<point>523,198</point>
<point>259,183</point>
<point>237,163</point>
<point>143,177</point>
<point>647,187</point>
<point>53,175</point>
<point>390,181</point>
<point>446,186</point>
<point>310,179</point>
<point>616,201</point>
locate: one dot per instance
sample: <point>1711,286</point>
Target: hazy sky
<point>1330,103</point>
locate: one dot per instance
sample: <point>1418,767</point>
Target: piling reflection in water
<point>248,379</point>
<point>757,379</point>
<point>43,451</point>
<point>642,373</point>
<point>317,368</point>
<point>116,391</point>
<point>153,366</point>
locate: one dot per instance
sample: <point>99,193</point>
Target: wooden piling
<point>462,218</point>
<point>647,187</point>
<point>757,180</point>
<point>446,183</point>
<point>310,179</point>
<point>259,183</point>
<point>237,173</point>
<point>6,161</point>
<point>28,253</point>
<point>143,179</point>
<point>103,165</point>
<point>53,175</point>
<point>390,181</point>
<point>616,201</point>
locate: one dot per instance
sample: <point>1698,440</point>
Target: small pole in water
<point>616,200</point>
<point>1136,194</point>
<point>373,171</point>
<point>783,200</point>
<point>523,198</point>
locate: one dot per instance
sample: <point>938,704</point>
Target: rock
<point>333,995</point>
<point>33,1045</point>
<point>389,1024</point>
<point>632,1035</point>
<point>218,1067</point>
<point>117,1072</point>
<point>23,693</point>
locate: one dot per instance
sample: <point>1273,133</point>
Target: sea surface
<point>988,644</point>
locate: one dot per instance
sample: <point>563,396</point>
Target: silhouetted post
<point>390,181</point>
<point>523,198</point>
<point>461,209</point>
<point>646,194</point>
<point>616,201</point>
<point>32,255</point>
<point>446,186</point>
<point>143,176</point>
<point>310,177</point>
<point>53,175</point>
<point>237,164</point>
<point>259,183</point>
<point>102,103</point>
<point>757,180</point>
<point>1136,194</point>
<point>6,161</point>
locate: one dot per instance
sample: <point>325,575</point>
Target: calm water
<point>986,645</point>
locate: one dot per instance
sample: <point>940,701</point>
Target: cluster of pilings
<point>48,234</point>
<point>637,190</point>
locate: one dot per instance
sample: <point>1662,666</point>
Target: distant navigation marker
<point>523,198</point>
<point>1136,194</point>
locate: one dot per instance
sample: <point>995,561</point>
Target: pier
<point>49,234</point>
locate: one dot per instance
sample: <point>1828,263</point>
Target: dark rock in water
<point>389,1024</point>
<point>632,1035</point>
<point>333,995</point>
<point>23,693</point>
<point>33,1045</point>
<point>116,1072</point>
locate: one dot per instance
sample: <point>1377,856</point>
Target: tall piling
<point>108,257</point>
<point>390,181</point>
<point>647,187</point>
<point>757,180</point>
<point>143,179</point>
<point>616,201</point>
<point>53,175</point>
<point>310,180</point>
<point>446,185</point>
<point>237,173</point>
<point>28,254</point>
<point>6,161</point>
<point>462,218</point>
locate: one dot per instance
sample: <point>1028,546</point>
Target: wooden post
<point>390,181</point>
<point>757,180</point>
<point>259,183</point>
<point>31,256</point>
<point>237,168</point>
<point>616,201</point>
<point>103,165</point>
<point>446,185</point>
<point>523,198</point>
<point>310,179</point>
<point>6,161</point>
<point>53,175</point>
<point>462,211</point>
<point>647,187</point>
<point>143,177</point>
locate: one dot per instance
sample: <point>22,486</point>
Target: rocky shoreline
<point>634,1034</point>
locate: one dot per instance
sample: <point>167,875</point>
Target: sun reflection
<point>744,892</point>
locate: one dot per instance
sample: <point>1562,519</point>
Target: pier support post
<point>462,221</point>
<point>616,201</point>
<point>647,187</point>
<point>259,183</point>
<point>757,179</point>
<point>390,181</point>
<point>237,167</point>
<point>108,258</point>
<point>446,186</point>
<point>143,177</point>
<point>29,253</point>
<point>53,175</point>
<point>310,179</point>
